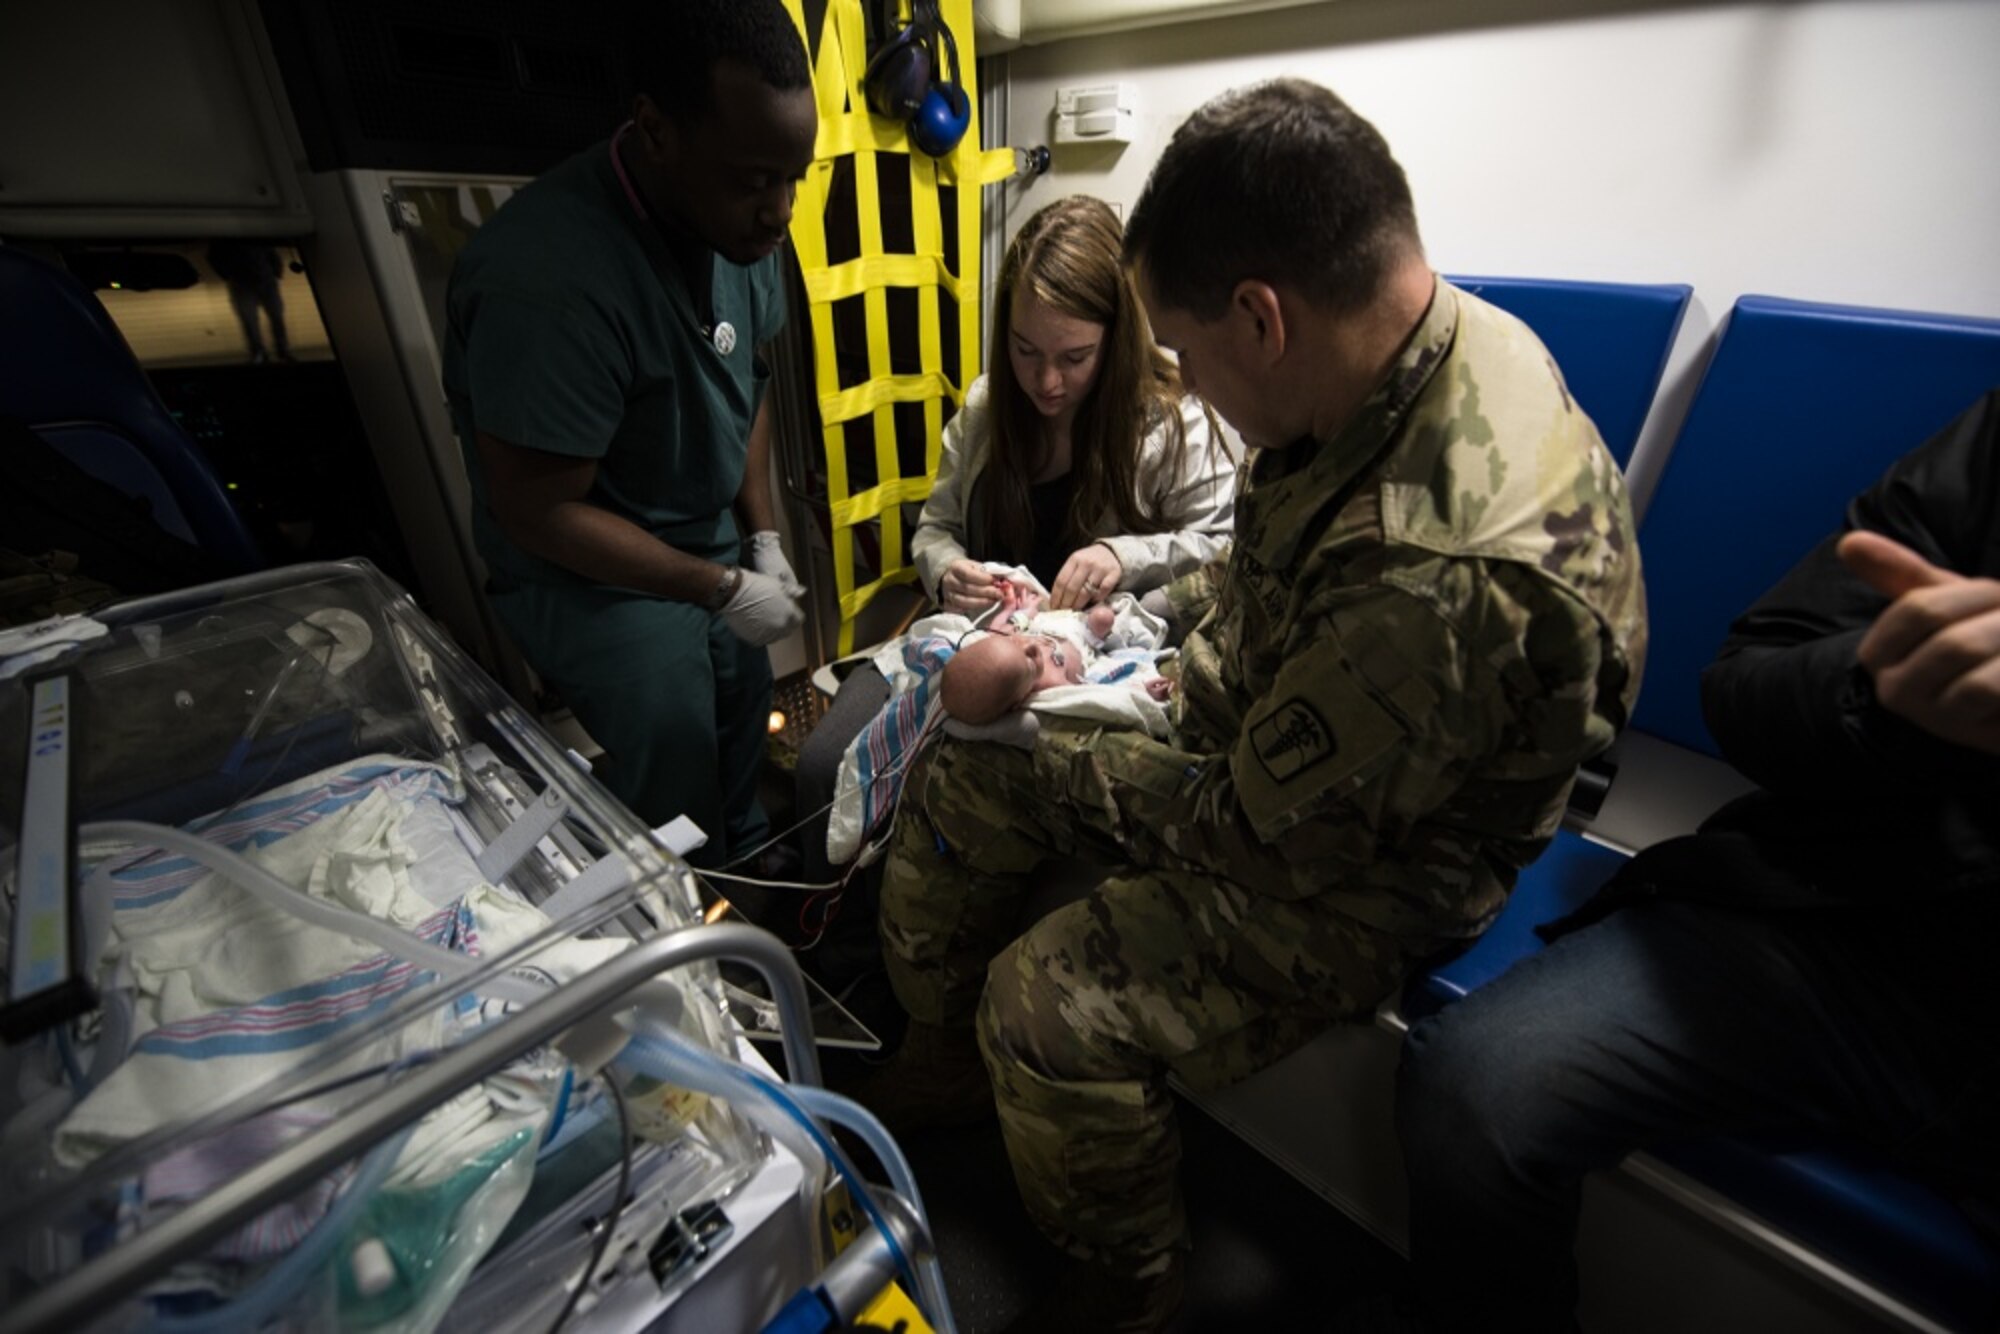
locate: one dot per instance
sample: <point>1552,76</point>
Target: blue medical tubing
<point>620,980</point>
<point>681,1062</point>
<point>849,1113</point>
<point>77,1079</point>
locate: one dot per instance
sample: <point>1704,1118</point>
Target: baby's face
<point>1031,663</point>
<point>1057,663</point>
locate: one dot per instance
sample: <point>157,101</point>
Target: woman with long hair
<point>1076,455</point>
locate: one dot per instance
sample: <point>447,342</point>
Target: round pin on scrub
<point>725,338</point>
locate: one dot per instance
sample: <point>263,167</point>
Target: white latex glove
<point>761,611</point>
<point>1019,729</point>
<point>767,556</point>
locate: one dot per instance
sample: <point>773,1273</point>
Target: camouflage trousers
<point>1082,1018</point>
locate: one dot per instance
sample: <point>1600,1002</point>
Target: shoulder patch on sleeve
<point>1313,736</point>
<point>1291,739</point>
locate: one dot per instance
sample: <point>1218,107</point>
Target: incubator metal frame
<point>64,1303</point>
<point>624,882</point>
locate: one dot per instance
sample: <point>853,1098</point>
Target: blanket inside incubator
<point>210,992</point>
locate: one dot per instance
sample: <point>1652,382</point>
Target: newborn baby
<point>991,677</point>
<point>1096,665</point>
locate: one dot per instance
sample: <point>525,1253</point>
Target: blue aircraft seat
<point>1610,340</point>
<point>1847,1204</point>
<point>67,372</point>
<point>1802,406</point>
<point>1556,884</point>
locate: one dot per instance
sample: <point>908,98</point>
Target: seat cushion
<point>1553,886</point>
<point>1845,1204</point>
<point>1852,1207</point>
<point>1801,409</point>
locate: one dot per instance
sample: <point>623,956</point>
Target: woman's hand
<point>1091,574</point>
<point>967,588</point>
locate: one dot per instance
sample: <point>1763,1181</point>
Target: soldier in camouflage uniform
<point>1432,615</point>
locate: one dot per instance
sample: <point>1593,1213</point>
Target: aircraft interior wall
<point>1831,151</point>
<point>1823,150</point>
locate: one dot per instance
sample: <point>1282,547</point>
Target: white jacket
<point>1200,500</point>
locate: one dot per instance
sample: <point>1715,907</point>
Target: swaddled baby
<point>1029,650</point>
<point>1097,665</point>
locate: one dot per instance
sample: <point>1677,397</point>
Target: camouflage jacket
<point>1426,625</point>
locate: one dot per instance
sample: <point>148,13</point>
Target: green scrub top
<point>570,330</point>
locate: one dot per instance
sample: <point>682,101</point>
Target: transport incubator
<point>339,995</point>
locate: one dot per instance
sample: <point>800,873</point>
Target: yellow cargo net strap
<point>877,145</point>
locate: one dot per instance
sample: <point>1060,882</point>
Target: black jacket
<point>1858,805</point>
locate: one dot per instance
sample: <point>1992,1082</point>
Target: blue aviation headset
<point>905,79</point>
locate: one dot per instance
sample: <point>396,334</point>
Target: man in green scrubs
<point>603,369</point>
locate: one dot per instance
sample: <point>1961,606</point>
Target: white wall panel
<point>1826,150</point>
<point>1839,151</point>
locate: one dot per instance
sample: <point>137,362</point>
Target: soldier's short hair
<point>1280,182</point>
<point>675,46</point>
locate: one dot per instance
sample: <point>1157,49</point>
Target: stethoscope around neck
<point>722,335</point>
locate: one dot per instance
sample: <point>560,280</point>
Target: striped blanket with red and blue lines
<point>156,877</point>
<point>886,746</point>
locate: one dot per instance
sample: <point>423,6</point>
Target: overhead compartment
<point>141,121</point>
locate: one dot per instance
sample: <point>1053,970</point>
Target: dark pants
<point>1674,1021</point>
<point>679,703</point>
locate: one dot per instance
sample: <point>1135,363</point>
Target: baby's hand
<point>1099,620</point>
<point>1016,599</point>
<point>1160,688</point>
